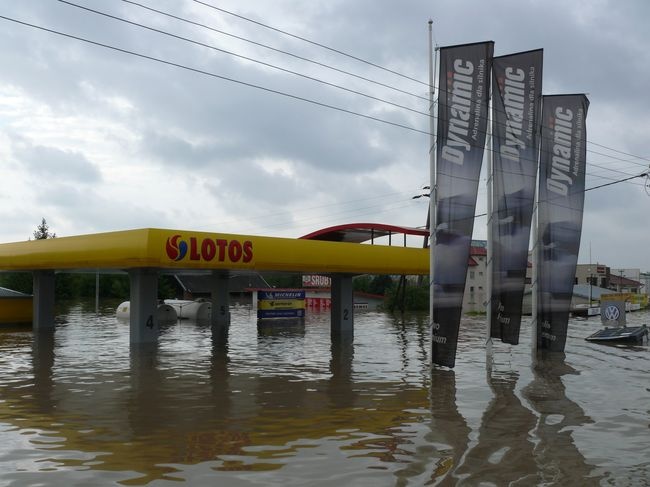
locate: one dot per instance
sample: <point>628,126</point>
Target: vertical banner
<point>516,111</point>
<point>462,125</point>
<point>561,201</point>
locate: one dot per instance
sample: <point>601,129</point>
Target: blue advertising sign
<point>280,313</point>
<point>295,294</point>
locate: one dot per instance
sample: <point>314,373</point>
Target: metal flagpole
<point>534,274</point>
<point>432,180</point>
<point>490,236</point>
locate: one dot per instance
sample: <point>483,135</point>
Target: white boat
<point>164,314</point>
<point>586,310</point>
<point>198,310</point>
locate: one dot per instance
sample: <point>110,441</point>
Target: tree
<point>22,281</point>
<point>43,231</point>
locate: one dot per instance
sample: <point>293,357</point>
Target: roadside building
<point>645,282</point>
<point>622,284</point>
<point>475,297</point>
<point>593,274</point>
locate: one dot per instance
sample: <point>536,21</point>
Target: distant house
<point>475,295</point>
<point>624,285</point>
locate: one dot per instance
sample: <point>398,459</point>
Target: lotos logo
<point>209,249</point>
<point>176,250</point>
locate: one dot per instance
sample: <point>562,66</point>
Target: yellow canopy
<point>186,250</point>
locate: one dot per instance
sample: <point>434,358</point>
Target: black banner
<point>560,207</point>
<point>516,111</point>
<point>462,124</point>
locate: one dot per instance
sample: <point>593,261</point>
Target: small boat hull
<point>586,311</point>
<point>164,314</point>
<point>624,334</point>
<point>191,310</point>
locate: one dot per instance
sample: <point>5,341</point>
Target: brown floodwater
<point>286,406</point>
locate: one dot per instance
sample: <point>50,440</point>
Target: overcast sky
<point>96,140</point>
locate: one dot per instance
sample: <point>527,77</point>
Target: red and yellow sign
<point>209,249</point>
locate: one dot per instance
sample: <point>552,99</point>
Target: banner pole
<point>432,179</point>
<point>490,247</point>
<point>534,274</point>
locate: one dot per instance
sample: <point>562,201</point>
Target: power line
<point>265,46</point>
<point>642,175</point>
<point>620,152</point>
<point>317,79</point>
<point>215,75</point>
<point>646,174</point>
<point>361,60</point>
<point>333,217</point>
<point>224,51</point>
<point>310,42</point>
<point>303,209</point>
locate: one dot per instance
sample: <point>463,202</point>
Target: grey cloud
<point>56,164</point>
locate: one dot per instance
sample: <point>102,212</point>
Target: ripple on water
<point>287,406</point>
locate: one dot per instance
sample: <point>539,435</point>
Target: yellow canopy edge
<point>189,250</point>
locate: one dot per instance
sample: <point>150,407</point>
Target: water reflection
<point>557,456</point>
<point>42,365</point>
<point>449,430</point>
<point>340,386</point>
<point>524,437</point>
<point>275,406</point>
<point>504,449</point>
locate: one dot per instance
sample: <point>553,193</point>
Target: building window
<point>471,289</point>
<point>480,273</point>
<point>471,274</point>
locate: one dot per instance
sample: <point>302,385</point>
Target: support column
<point>342,310</point>
<point>144,304</point>
<point>43,301</point>
<point>220,317</point>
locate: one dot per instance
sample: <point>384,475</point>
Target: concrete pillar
<point>342,310</point>
<point>42,364</point>
<point>144,304</point>
<point>43,301</point>
<point>220,317</point>
<point>340,386</point>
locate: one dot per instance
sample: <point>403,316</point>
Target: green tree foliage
<point>43,231</point>
<point>284,280</point>
<point>380,284</point>
<point>168,288</point>
<point>415,298</point>
<point>362,283</point>
<point>22,281</point>
<point>18,281</point>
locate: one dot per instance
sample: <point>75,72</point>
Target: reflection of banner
<point>462,124</point>
<point>516,103</point>
<point>561,201</point>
